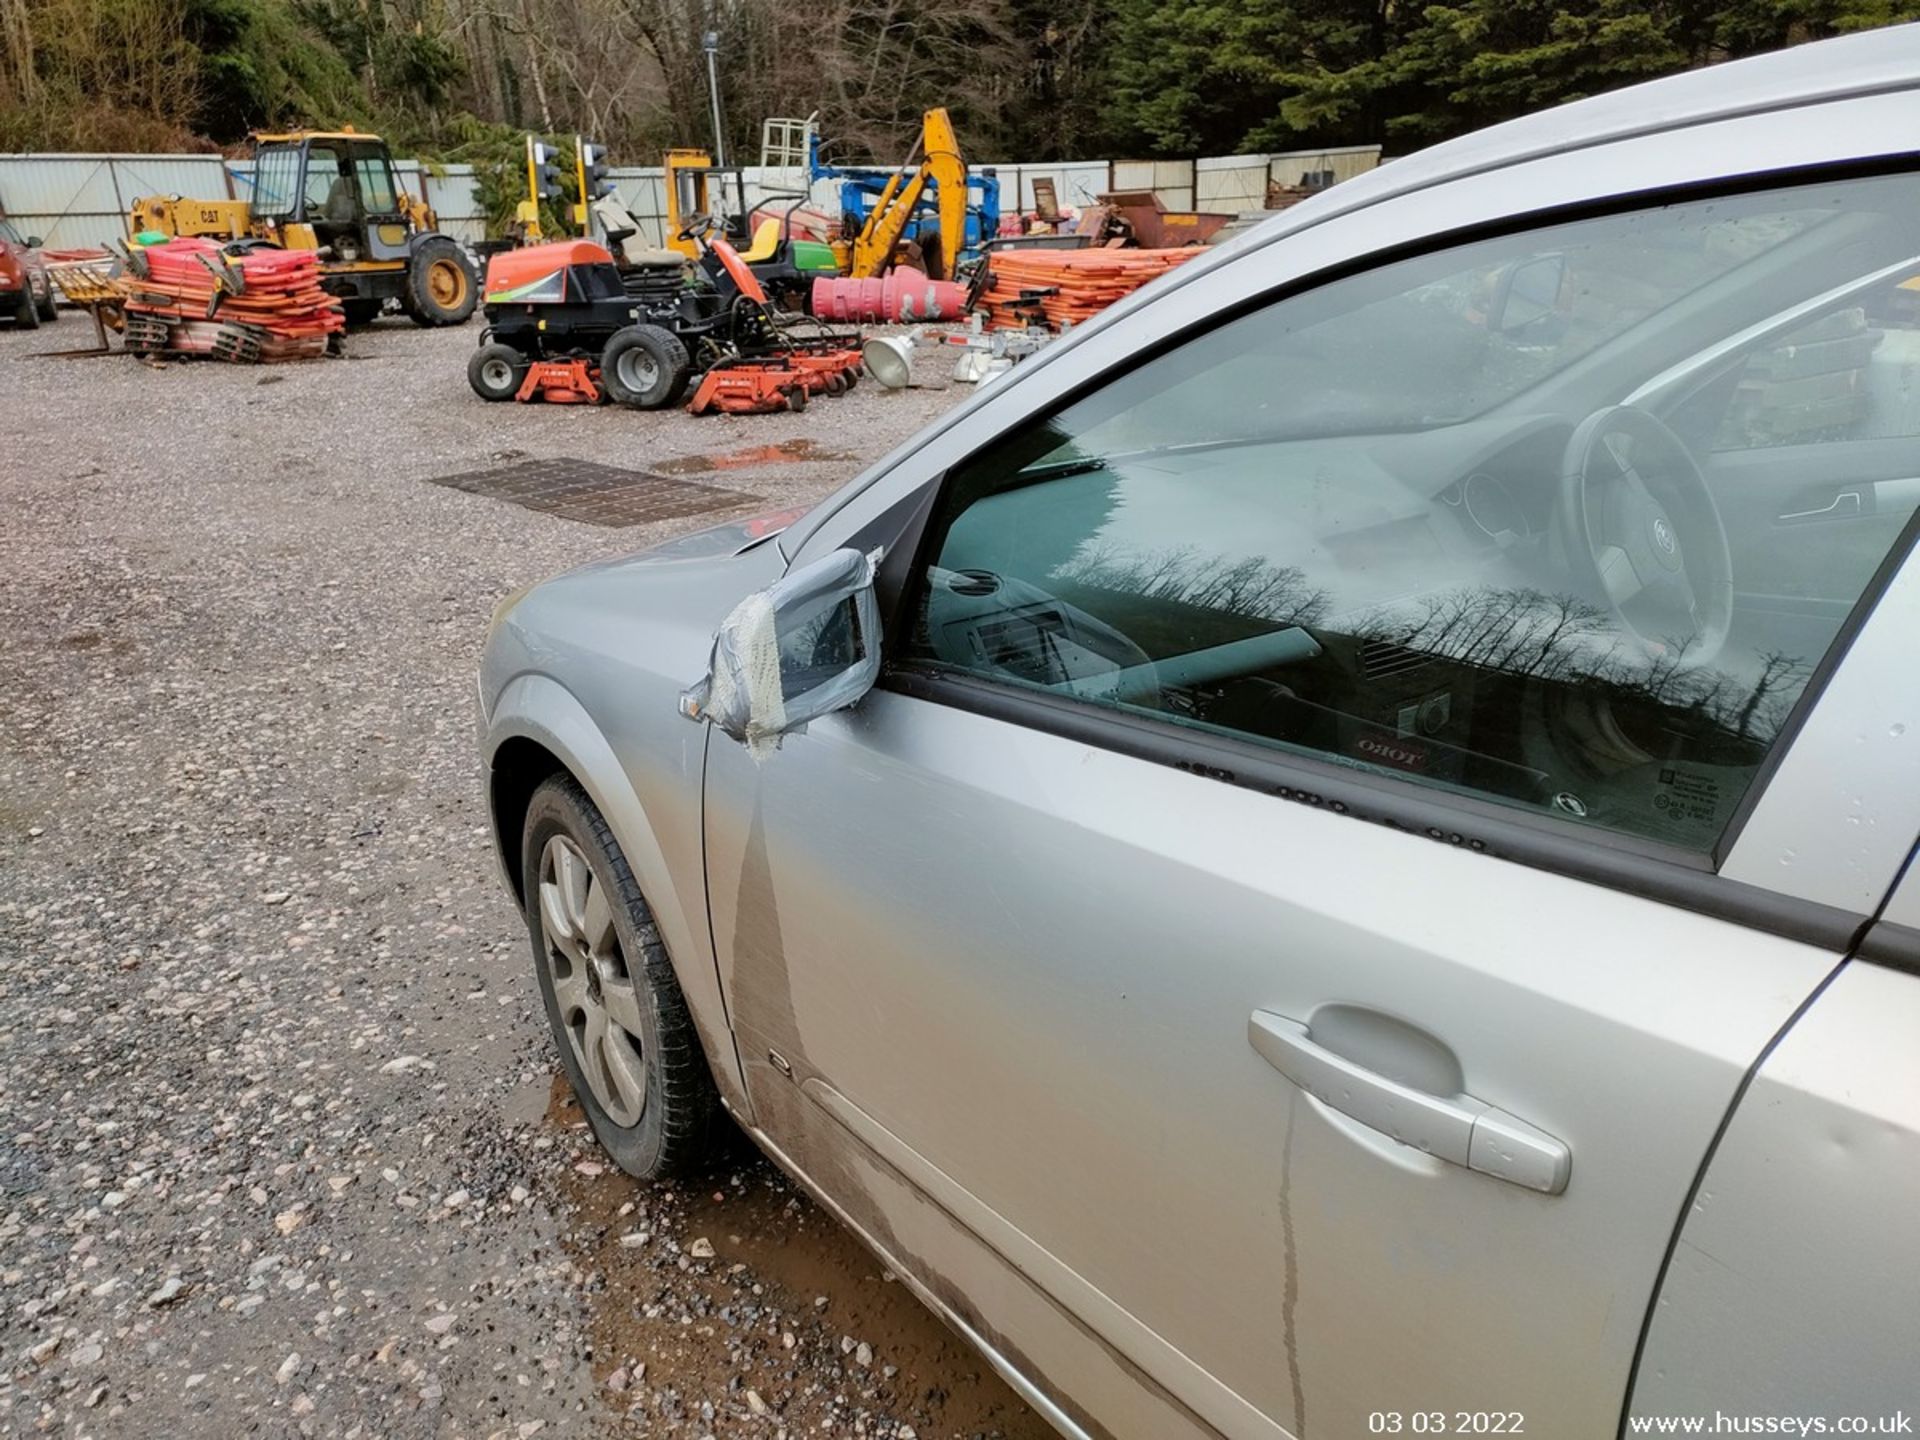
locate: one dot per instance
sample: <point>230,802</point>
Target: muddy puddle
<point>767,1329</point>
<point>785,452</point>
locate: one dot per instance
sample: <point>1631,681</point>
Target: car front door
<point>1264,960</point>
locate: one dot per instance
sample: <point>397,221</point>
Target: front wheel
<point>496,371</point>
<point>645,367</point>
<point>625,1035</point>
<point>441,286</point>
<point>26,313</point>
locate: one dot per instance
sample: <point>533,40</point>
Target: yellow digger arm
<point>950,175</point>
<point>873,247</point>
<point>892,212</point>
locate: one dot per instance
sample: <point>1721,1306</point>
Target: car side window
<point>1405,522</point>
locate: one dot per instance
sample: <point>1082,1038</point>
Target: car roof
<point>1868,63</point>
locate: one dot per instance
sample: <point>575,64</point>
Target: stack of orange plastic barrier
<point>264,305</point>
<point>1026,287</point>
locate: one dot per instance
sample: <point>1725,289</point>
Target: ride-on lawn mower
<point>565,323</point>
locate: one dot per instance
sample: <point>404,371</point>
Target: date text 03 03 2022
<point>1446,1422</point>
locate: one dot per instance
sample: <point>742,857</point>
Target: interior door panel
<point>1803,552</point>
<point>1867,491</point>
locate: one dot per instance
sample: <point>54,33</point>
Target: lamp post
<point>710,42</point>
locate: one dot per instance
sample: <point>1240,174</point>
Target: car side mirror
<point>1528,293</point>
<point>34,242</point>
<point>805,646</point>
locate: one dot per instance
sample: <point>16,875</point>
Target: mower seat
<point>623,235</point>
<point>766,242</point>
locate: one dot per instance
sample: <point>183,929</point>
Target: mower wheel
<point>441,286</point>
<point>496,371</point>
<point>797,399</point>
<point>645,367</point>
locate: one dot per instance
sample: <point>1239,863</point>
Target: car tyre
<point>496,372</point>
<point>626,1038</point>
<point>26,313</point>
<point>645,367</point>
<point>441,288</point>
<point>49,305</point>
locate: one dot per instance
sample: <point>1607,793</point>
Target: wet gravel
<point>280,1150</point>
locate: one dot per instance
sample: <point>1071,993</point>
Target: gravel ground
<point>281,1149</point>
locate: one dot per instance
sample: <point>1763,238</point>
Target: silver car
<point>1329,857</point>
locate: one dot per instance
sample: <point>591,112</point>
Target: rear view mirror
<point>1528,294</point>
<point>805,646</point>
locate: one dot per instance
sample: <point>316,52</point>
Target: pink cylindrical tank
<point>903,295</point>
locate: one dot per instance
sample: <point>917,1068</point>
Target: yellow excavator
<point>935,159</point>
<point>930,212</point>
<point>335,192</point>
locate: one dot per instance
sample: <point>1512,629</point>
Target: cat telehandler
<point>335,193</point>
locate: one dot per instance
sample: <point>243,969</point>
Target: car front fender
<point>536,707</point>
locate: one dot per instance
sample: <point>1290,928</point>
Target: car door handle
<point>1455,1128</point>
<point>1844,506</point>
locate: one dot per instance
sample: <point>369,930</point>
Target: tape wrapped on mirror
<point>805,646</point>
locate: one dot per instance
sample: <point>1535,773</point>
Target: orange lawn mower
<point>566,325</point>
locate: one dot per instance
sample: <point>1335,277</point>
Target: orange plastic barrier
<point>260,306</point>
<point>1027,287</point>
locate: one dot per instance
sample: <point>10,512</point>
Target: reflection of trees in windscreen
<point>1531,633</point>
<point>1245,586</point>
<point>1518,631</point>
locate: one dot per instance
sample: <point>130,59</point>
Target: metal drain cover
<point>596,494</point>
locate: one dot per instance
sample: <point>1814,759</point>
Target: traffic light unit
<point>543,185</point>
<point>595,177</point>
<point>544,172</point>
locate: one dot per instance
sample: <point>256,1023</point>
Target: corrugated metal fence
<point>75,200</point>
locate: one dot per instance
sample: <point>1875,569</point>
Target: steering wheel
<point>1642,531</point>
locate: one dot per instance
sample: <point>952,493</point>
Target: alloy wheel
<point>598,1000</point>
